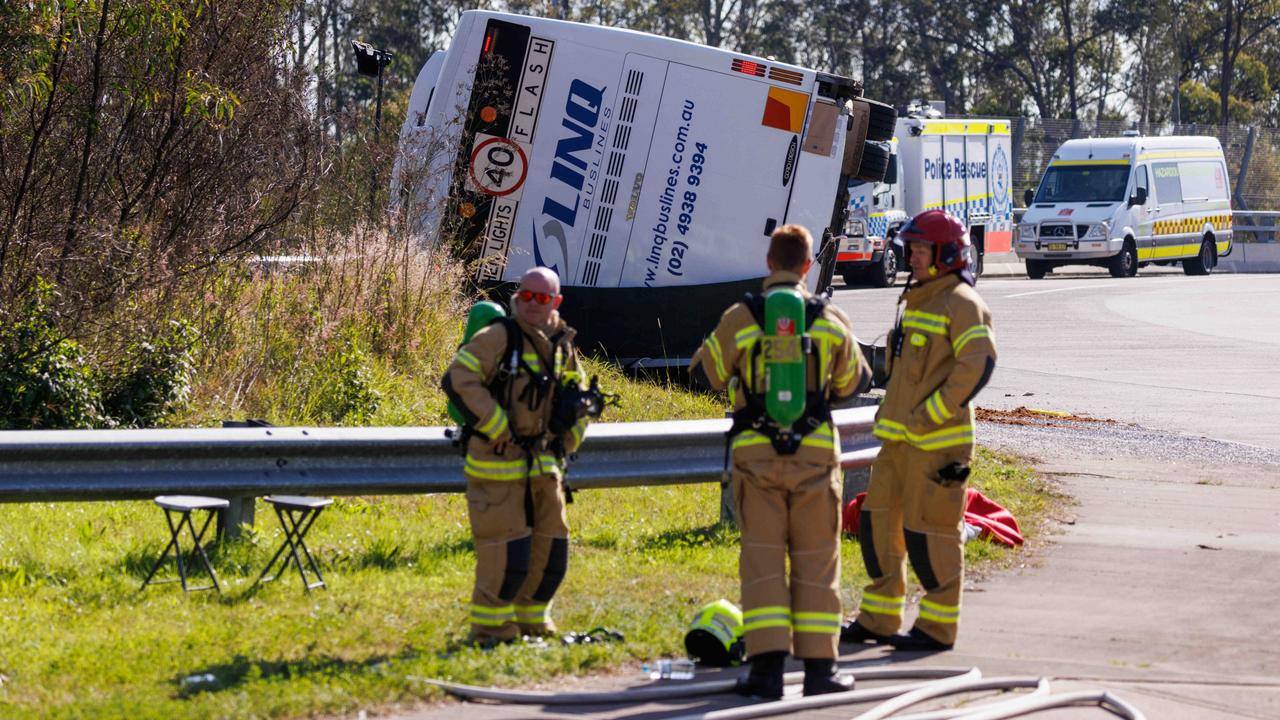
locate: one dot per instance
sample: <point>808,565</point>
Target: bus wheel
<point>1202,263</point>
<point>1125,262</point>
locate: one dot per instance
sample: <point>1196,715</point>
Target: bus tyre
<point>1202,263</point>
<point>1125,262</point>
<point>880,121</point>
<point>884,273</point>
<point>875,162</point>
<point>1036,269</point>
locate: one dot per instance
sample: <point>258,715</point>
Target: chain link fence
<point>1255,149</point>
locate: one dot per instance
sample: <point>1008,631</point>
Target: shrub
<point>46,380</point>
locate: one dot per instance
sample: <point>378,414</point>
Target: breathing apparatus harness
<point>754,416</point>
<point>570,402</point>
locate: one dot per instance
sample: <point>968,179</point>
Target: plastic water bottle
<point>669,670</point>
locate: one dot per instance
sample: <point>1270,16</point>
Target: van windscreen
<point>1083,183</point>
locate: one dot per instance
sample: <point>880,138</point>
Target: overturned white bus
<point>647,172</point>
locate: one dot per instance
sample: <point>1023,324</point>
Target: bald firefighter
<point>504,383</point>
<point>942,353</point>
<point>786,476</point>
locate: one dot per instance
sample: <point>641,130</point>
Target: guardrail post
<point>728,509</point>
<point>855,481</point>
<point>239,512</point>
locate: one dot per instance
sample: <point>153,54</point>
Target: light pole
<point>370,61</point>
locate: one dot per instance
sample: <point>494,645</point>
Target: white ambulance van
<point>963,166</point>
<point>1125,202</point>
<point>647,172</point>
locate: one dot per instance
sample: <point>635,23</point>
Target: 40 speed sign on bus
<point>498,165</point>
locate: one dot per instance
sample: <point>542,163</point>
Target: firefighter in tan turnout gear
<point>786,480</point>
<point>941,353</point>
<point>504,381</point>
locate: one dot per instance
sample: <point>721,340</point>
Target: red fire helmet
<point>949,237</point>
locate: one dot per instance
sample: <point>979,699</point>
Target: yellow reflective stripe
<point>827,336</point>
<point>532,613</point>
<point>847,379</point>
<point>937,612</point>
<point>765,617</point>
<point>824,327</point>
<point>944,438</point>
<point>494,469</point>
<point>749,438</point>
<point>821,437</point>
<point>468,361</point>
<point>496,423</point>
<point>925,326</point>
<point>973,333</point>
<point>579,429</point>
<point>817,622</point>
<point>492,617</point>
<point>922,316</point>
<point>950,437</point>
<point>548,465</point>
<point>938,411</point>
<point>746,336</point>
<point>532,360</point>
<point>882,604</point>
<point>713,348</point>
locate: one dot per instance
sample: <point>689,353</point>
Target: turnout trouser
<point>518,567</point>
<point>908,515</point>
<point>789,509</point>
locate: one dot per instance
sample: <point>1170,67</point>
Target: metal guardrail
<point>62,465</point>
<point>1260,224</point>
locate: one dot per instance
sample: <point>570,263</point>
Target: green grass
<point>77,638</point>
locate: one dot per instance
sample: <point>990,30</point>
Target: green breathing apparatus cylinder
<point>784,357</point>
<point>482,313</point>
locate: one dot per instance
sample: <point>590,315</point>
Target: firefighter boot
<point>765,679</point>
<point>856,634</point>
<point>918,640</point>
<point>821,678</point>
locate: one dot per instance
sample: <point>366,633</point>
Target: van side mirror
<point>1028,196</point>
<point>1139,197</point>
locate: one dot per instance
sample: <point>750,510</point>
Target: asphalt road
<point>1194,355</point>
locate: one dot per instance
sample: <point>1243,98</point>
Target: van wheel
<point>886,271</point>
<point>851,277</point>
<point>1036,269</point>
<point>875,162</point>
<point>1202,263</point>
<point>880,121</point>
<point>1125,262</point>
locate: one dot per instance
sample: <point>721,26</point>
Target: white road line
<point>1092,286</point>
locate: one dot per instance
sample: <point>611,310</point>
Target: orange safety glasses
<point>539,297</point>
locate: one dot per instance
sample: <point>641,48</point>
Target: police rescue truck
<point>962,166</point>
<point>1125,202</point>
<point>647,172</point>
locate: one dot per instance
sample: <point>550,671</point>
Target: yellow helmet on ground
<point>715,635</point>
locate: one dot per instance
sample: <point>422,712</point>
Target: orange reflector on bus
<point>784,109</point>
